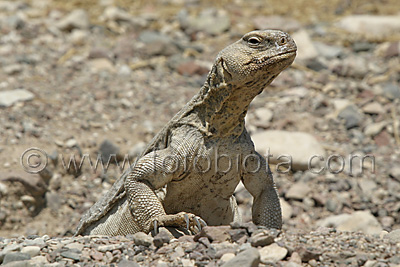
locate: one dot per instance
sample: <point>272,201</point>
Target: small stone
<point>328,51</point>
<point>238,235</point>
<point>112,247</point>
<point>117,14</point>
<point>157,44</point>
<point>306,254</point>
<point>370,25</point>
<point>13,69</point>
<point>101,64</point>
<point>373,108</point>
<point>191,68</point>
<point>287,210</point>
<point>161,238</point>
<point>298,191</point>
<point>351,116</point>
<point>395,172</point>
<point>214,233</point>
<point>374,129</point>
<point>305,46</point>
<point>141,239</point>
<point>128,263</point>
<point>391,91</point>
<point>108,151</point>
<point>394,236</point>
<point>272,253</point>
<point>261,240</point>
<point>71,254</point>
<point>39,261</point>
<point>362,221</point>
<point>286,24</point>
<point>367,186</point>
<point>264,115</point>
<point>227,257</point>
<point>31,250</point>
<point>77,19</point>
<point>75,245</point>
<point>247,258</point>
<point>212,21</point>
<point>78,36</point>
<point>96,255</point>
<point>10,97</point>
<point>15,256</point>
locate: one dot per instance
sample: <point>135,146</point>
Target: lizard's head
<point>256,59</point>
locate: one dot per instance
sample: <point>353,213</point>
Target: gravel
<point>80,79</point>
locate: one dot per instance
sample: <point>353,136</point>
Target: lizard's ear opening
<point>219,74</point>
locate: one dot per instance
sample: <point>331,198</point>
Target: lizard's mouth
<point>275,58</point>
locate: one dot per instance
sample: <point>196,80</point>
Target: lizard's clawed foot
<point>186,220</point>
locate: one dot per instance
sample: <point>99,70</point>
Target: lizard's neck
<point>223,109</point>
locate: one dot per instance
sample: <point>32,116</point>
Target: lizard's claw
<point>155,227</point>
<point>183,219</point>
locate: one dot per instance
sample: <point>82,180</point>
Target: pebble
<point>395,173</point>
<point>31,250</point>
<point>77,19</point>
<point>101,64</point>
<point>375,128</point>
<point>351,117</point>
<point>286,24</point>
<point>287,210</point>
<point>112,13</point>
<point>299,145</point>
<point>298,191</point>
<point>108,150</point>
<point>391,91</point>
<point>370,25</point>
<point>10,97</point>
<point>141,239</point>
<point>394,236</point>
<point>362,221</point>
<point>72,254</point>
<point>161,238</point>
<point>15,256</point>
<point>215,233</point>
<point>212,21</point>
<point>305,47</point>
<point>261,240</point>
<point>373,108</point>
<point>247,258</point>
<point>272,253</point>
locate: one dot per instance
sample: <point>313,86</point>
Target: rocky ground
<point>87,78</point>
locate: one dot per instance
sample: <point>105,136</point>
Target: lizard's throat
<point>225,112</point>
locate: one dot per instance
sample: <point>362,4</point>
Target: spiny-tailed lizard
<point>202,153</point>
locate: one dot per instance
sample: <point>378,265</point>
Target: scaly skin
<point>194,158</point>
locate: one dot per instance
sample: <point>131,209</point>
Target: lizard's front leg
<point>151,172</point>
<point>266,209</point>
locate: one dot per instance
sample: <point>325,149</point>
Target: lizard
<point>191,159</point>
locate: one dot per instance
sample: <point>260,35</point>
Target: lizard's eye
<point>254,40</point>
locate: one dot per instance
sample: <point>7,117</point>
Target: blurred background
<point>101,77</point>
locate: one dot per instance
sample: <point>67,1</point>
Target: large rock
<point>10,97</point>
<point>370,25</point>
<point>362,221</point>
<point>300,146</point>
